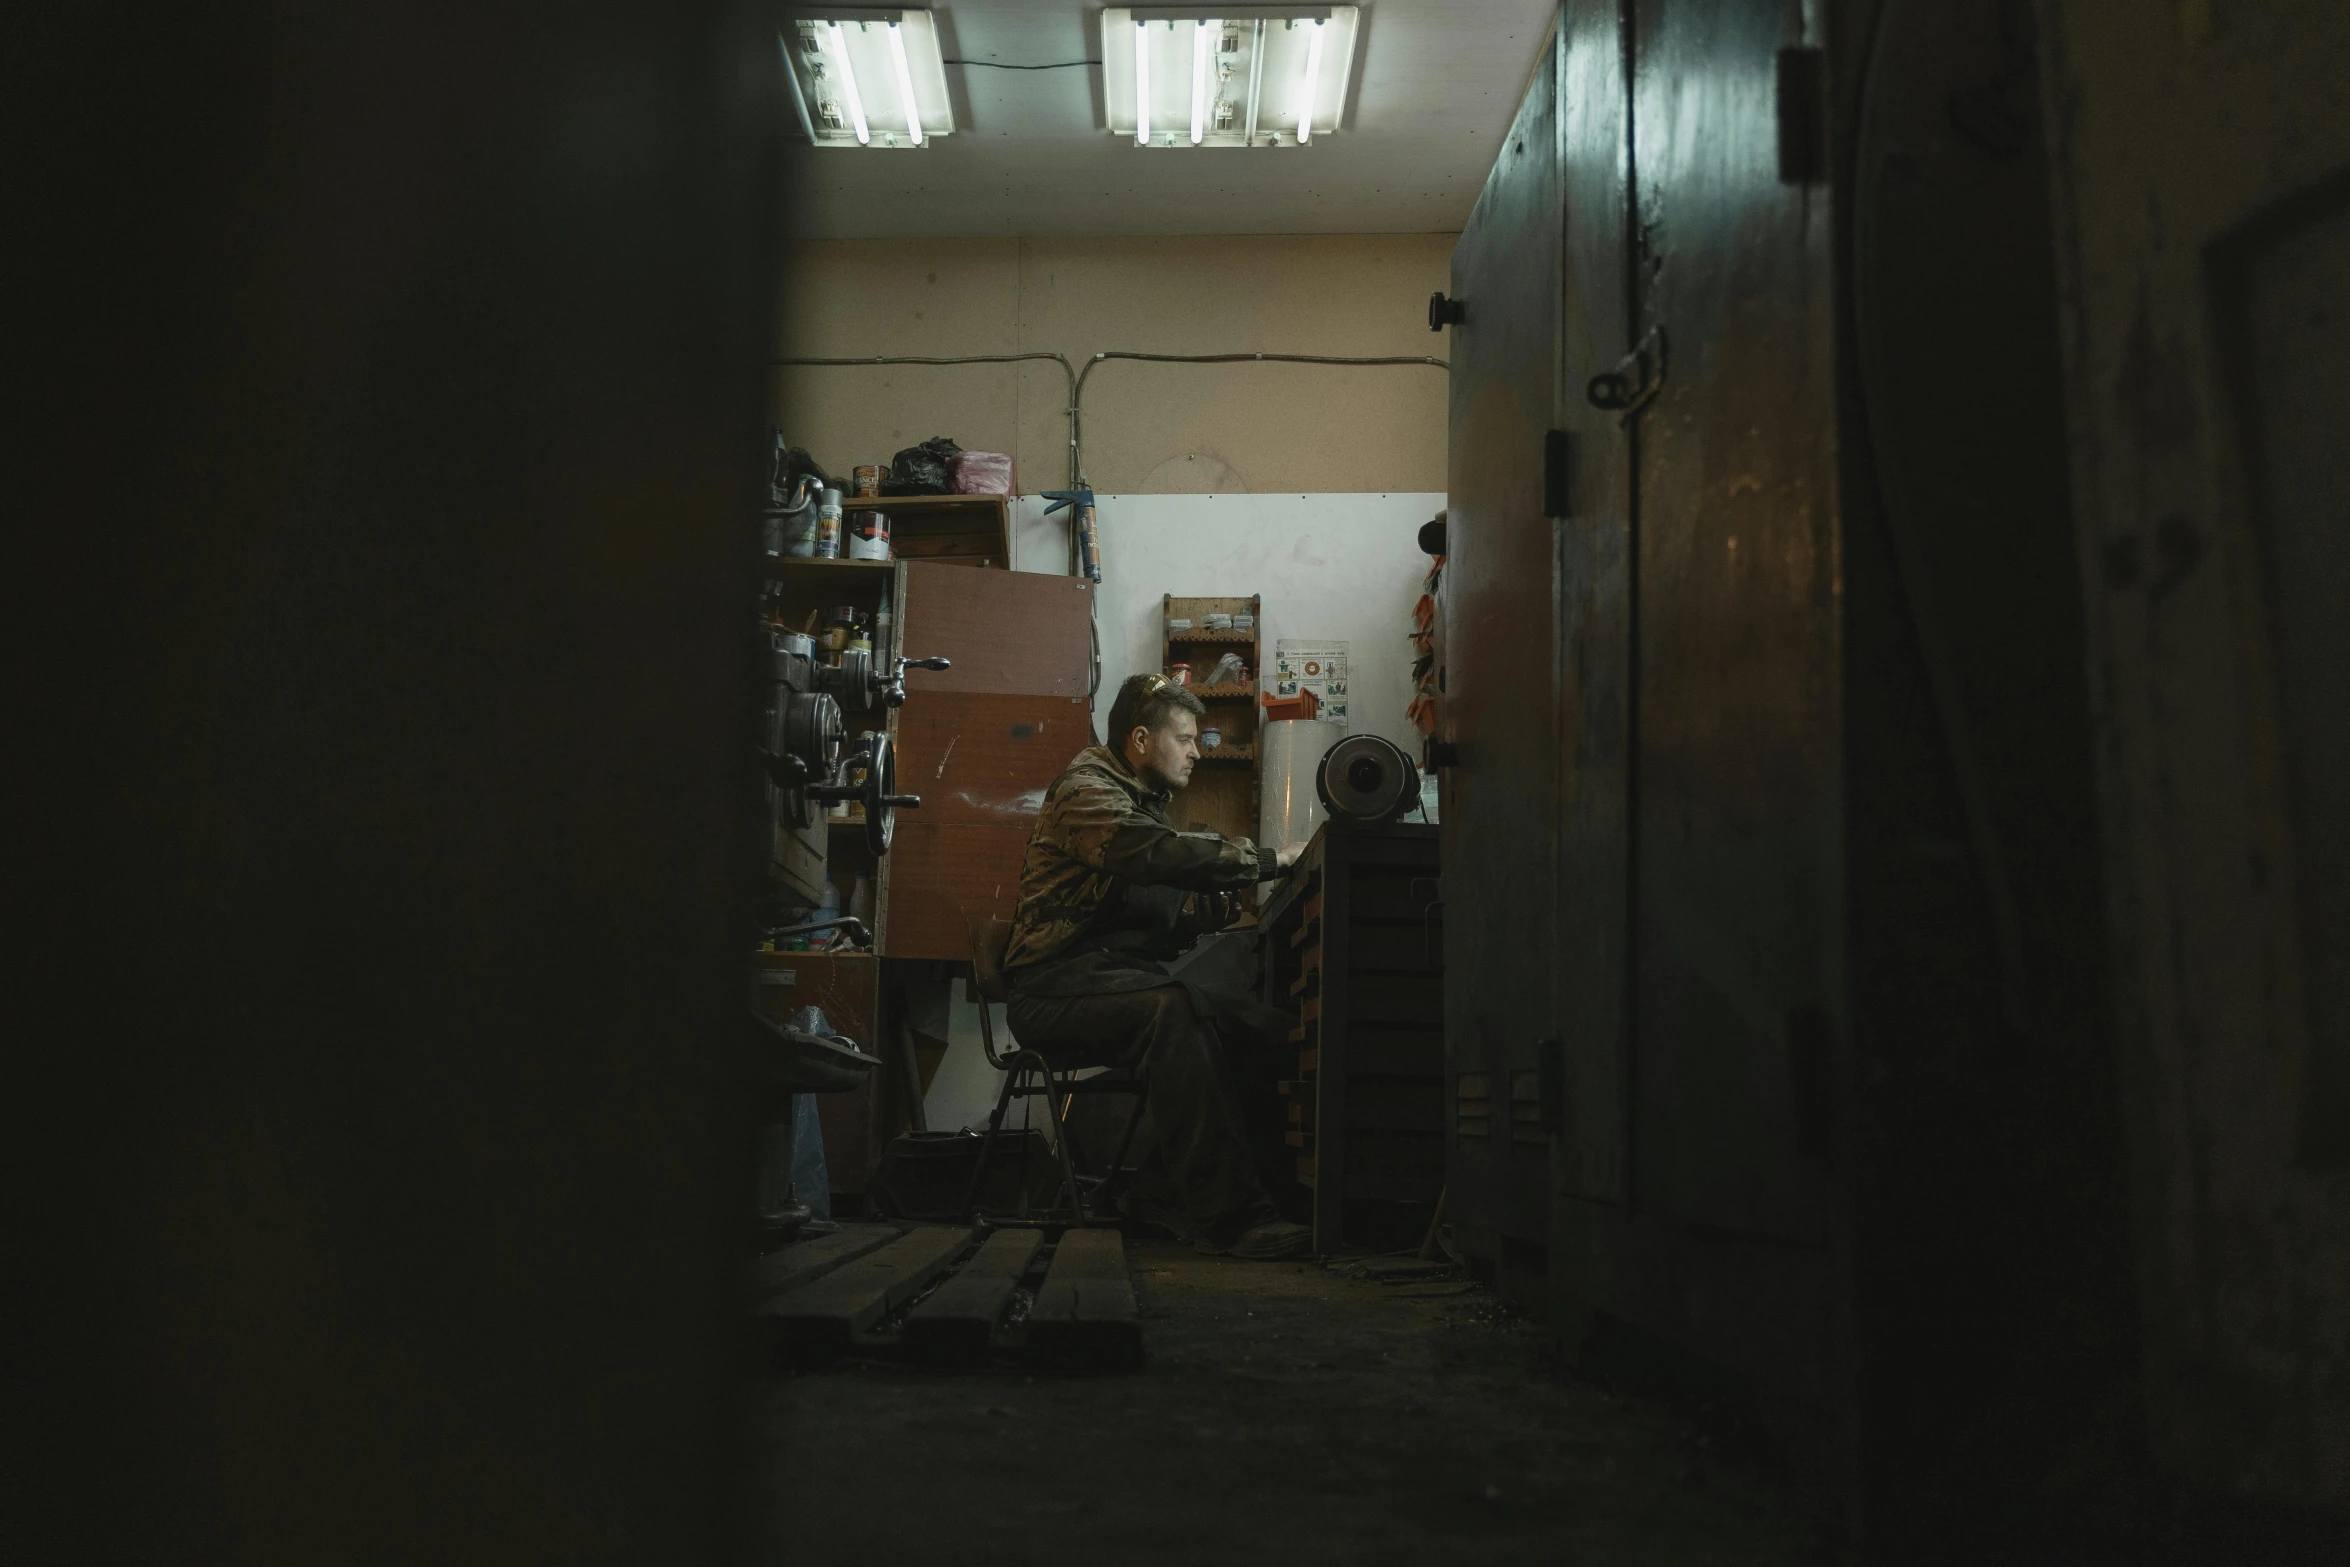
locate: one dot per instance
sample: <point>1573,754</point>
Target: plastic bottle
<point>881,626</point>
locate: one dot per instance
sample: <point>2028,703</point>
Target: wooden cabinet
<point>978,742</point>
<point>1352,941</point>
<point>981,742</point>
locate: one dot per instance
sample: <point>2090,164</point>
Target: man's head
<point>1154,729</point>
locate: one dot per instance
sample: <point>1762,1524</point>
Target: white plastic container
<point>1288,749</point>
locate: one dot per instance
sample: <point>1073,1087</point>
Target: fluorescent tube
<point>848,81</point>
<point>897,57</point>
<point>1201,38</point>
<point>1142,84</point>
<point>1313,84</point>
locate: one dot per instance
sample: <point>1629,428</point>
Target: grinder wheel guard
<point>1366,778</point>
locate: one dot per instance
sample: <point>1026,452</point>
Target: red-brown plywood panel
<point>944,874</point>
<point>977,758</point>
<point>1007,631</point>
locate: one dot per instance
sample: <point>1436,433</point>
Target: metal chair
<point>1028,1075</point>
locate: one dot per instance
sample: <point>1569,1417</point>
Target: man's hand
<point>1211,911</point>
<point>1288,855</point>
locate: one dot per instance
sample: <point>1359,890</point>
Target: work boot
<point>1269,1241</point>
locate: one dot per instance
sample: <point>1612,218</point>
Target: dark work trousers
<point>1198,1160</point>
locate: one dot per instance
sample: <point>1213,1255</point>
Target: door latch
<point>1635,380</point>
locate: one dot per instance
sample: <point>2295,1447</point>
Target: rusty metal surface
<point>1499,816</point>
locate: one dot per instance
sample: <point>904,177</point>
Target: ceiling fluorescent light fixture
<point>905,76</point>
<point>1312,81</point>
<point>838,59</point>
<point>1203,35</point>
<point>1142,85</point>
<point>1236,75</point>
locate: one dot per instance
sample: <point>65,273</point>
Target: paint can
<point>1180,675</point>
<point>866,480</point>
<point>869,536</point>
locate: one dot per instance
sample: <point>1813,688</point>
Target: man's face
<point>1166,754</point>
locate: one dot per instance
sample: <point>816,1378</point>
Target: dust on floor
<point>1286,1412</point>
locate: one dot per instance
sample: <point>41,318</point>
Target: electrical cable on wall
<point>1080,516</point>
<point>1093,683</point>
<point>1077,388</point>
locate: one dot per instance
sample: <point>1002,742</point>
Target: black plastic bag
<point>922,470</point>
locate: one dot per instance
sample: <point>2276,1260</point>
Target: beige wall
<point>1149,428</point>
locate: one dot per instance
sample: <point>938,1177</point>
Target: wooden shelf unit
<point>858,990</point>
<point>1222,795</point>
<point>785,568</point>
<point>967,530</point>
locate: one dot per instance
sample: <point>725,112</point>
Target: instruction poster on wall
<point>1319,667</point>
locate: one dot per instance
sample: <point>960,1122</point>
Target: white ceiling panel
<point>1435,84</point>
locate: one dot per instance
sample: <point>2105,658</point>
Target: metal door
<point>1736,819</point>
<point>1595,622</point>
<point>1498,713</point>
<point>2201,171</point>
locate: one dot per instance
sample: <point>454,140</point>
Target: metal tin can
<point>867,479</point>
<point>1180,674</point>
<point>869,536</point>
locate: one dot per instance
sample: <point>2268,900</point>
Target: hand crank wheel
<point>881,798</point>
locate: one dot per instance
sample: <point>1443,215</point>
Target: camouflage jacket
<point>1101,833</point>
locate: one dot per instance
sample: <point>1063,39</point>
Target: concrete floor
<point>1287,1413</point>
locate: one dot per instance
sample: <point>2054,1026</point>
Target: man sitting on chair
<point>1108,891</point>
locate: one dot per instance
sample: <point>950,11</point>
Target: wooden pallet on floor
<point>929,1293</point>
<point>824,1315</point>
<point>816,1256</point>
<point>1085,1315</point>
<point>956,1323</point>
